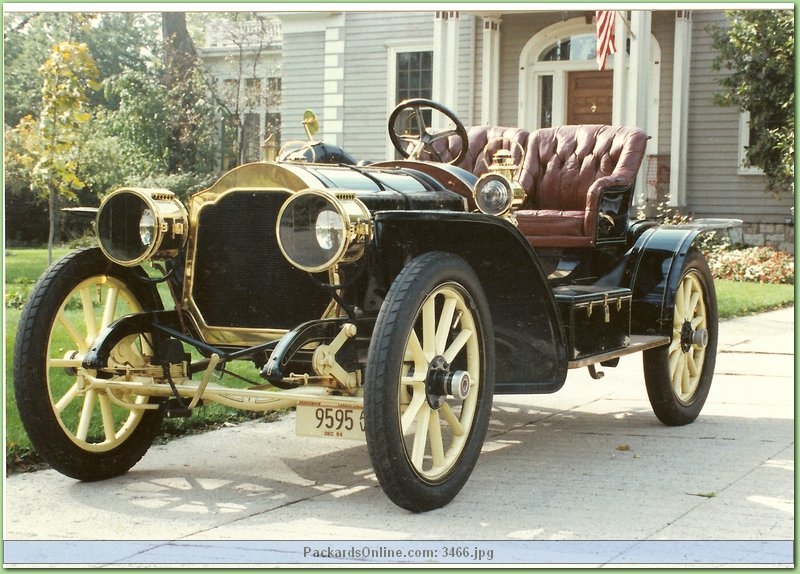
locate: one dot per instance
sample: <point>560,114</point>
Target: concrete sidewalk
<point>589,463</point>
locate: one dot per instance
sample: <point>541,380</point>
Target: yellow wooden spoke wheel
<point>429,382</point>
<point>678,377</point>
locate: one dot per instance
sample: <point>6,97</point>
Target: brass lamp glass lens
<point>493,194</point>
<point>147,227</point>
<point>329,229</point>
<point>319,229</point>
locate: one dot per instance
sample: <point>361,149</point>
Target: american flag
<point>605,36</point>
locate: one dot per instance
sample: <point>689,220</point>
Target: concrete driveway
<point>585,476</point>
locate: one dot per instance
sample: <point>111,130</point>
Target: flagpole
<point>627,25</point>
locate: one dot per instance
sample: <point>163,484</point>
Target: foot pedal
<point>175,409</point>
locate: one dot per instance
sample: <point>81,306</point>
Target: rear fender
<point>654,268</point>
<point>531,349</point>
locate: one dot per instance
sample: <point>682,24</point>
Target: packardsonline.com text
<point>445,553</point>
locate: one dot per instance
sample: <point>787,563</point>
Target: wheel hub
<point>71,356</point>
<point>690,337</point>
<point>441,383</point>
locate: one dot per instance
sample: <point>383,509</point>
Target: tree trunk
<point>180,55</point>
<point>51,236</point>
<point>180,63</point>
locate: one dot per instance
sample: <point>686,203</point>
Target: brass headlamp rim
<point>170,223</point>
<point>356,225</point>
<point>515,192</point>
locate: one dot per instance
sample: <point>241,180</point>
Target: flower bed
<point>754,264</point>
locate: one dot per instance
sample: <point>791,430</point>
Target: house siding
<point>302,82</point>
<point>368,37</point>
<point>714,186</point>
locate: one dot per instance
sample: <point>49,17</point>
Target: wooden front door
<point>589,96</point>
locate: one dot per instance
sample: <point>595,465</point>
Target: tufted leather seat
<point>575,177</point>
<point>578,179</point>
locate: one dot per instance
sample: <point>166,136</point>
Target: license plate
<point>330,420</point>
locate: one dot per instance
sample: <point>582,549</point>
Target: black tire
<point>70,427</point>
<point>421,471</point>
<point>678,376</point>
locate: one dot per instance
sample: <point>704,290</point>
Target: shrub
<point>741,263</point>
<point>754,264</point>
<point>17,294</point>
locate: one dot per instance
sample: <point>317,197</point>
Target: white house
<point>243,58</point>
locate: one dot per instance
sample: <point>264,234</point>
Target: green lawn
<point>735,298</point>
<point>23,266</point>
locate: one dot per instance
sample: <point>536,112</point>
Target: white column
<point>680,107</point>
<point>620,69</point>
<point>439,56</point>
<point>638,101</point>
<point>638,80</point>
<point>490,81</point>
<point>445,57</point>
<point>445,62</point>
<point>451,68</point>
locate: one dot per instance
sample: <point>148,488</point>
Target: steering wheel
<point>407,127</point>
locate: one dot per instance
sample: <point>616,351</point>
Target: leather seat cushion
<point>550,222</point>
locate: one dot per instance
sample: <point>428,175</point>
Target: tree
<point>69,74</point>
<point>118,42</point>
<point>145,129</point>
<point>243,89</point>
<point>757,49</point>
<point>27,39</point>
<point>190,112</point>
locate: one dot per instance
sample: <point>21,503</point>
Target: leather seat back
<point>563,163</point>
<point>565,172</point>
<point>479,156</point>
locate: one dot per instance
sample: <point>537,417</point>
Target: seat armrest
<point>607,207</point>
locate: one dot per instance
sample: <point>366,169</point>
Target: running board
<point>638,343</point>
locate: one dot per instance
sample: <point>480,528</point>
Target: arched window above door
<point>575,47</point>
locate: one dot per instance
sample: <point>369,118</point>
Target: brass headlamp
<point>138,224</point>
<point>318,229</point>
<point>498,191</point>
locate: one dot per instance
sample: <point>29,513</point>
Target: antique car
<point>386,302</point>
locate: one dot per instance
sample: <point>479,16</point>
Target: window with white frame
<point>746,136</point>
<point>251,137</point>
<point>414,75</point>
<point>273,91</point>
<point>252,93</point>
<point>410,75</point>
